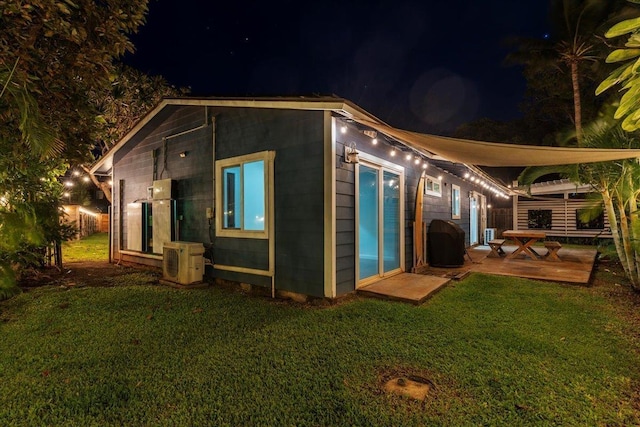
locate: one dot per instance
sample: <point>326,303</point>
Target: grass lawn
<point>499,350</point>
<point>91,248</point>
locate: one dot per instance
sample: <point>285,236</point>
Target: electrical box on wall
<point>163,189</point>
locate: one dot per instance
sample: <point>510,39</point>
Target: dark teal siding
<point>134,164</point>
<point>297,137</point>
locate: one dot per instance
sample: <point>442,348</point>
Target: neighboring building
<point>556,207</point>
<point>86,220</point>
<point>291,192</point>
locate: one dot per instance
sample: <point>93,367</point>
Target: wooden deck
<point>575,267</point>
<point>406,287</point>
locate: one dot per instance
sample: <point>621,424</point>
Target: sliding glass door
<point>369,227</point>
<point>379,221</point>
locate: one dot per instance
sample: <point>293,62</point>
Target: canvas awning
<point>497,154</point>
<point>456,150</point>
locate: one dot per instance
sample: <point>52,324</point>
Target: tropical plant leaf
<point>614,78</point>
<point>8,286</point>
<point>630,124</point>
<point>631,81</point>
<point>633,41</point>
<point>619,55</point>
<point>592,210</point>
<point>630,100</point>
<point>529,175</point>
<point>624,27</point>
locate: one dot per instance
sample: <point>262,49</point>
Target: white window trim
<point>434,193</point>
<point>267,157</point>
<point>455,203</point>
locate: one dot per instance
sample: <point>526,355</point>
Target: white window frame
<point>381,165</point>
<point>267,157</point>
<point>435,181</point>
<point>455,202</point>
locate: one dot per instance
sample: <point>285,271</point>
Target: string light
<point>418,160</point>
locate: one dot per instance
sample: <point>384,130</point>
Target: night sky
<point>427,66</point>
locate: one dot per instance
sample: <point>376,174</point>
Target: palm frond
<point>531,174</point>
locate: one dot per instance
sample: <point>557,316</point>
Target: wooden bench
<point>552,250</point>
<point>496,248</point>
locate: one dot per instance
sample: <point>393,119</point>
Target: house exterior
<point>556,207</point>
<point>293,194</point>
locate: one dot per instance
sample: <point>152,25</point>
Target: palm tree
<point>617,183</point>
<point>573,45</point>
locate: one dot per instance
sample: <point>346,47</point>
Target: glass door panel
<point>391,221</point>
<point>473,220</point>
<point>368,225</point>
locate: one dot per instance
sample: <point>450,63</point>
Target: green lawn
<point>500,351</point>
<point>91,248</point>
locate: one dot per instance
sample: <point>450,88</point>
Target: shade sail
<point>497,154</point>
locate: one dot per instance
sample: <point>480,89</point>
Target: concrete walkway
<point>406,287</point>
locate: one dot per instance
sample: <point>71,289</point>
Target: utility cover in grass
<point>413,387</point>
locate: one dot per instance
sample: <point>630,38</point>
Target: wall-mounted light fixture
<point>350,153</point>
<point>183,154</point>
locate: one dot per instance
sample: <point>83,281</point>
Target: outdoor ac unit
<point>182,262</point>
<point>490,234</point>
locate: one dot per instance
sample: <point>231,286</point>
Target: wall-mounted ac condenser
<point>183,262</point>
<point>489,235</point>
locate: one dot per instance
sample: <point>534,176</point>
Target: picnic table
<point>524,239</point>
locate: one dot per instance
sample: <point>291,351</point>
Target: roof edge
<point>338,105</point>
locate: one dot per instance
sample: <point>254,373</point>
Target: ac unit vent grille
<point>171,262</point>
<point>489,235</point>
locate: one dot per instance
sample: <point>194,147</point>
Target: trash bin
<point>445,244</point>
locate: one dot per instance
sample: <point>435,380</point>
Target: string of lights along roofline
<point>419,159</point>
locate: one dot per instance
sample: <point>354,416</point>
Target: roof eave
<point>337,105</point>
